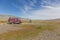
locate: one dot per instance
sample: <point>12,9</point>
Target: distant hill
<point>5,18</point>
<point>24,20</point>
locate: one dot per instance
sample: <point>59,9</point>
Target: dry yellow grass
<point>3,21</point>
<point>30,30</point>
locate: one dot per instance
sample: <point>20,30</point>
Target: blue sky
<point>32,9</point>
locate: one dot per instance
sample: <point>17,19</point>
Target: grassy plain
<point>32,31</point>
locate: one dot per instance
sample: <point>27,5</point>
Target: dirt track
<point>6,27</point>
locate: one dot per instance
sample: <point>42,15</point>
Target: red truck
<point>14,20</point>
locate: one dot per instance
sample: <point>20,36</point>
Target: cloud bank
<point>50,10</point>
<point>41,9</point>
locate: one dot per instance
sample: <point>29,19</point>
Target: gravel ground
<point>6,27</point>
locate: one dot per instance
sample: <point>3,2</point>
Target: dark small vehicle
<point>13,20</point>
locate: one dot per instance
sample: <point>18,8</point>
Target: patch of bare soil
<point>5,28</point>
<point>46,35</point>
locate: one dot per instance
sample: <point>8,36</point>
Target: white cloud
<point>48,13</point>
<point>51,10</point>
<point>33,2</point>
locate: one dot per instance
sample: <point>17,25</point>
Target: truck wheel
<point>10,23</point>
<point>17,23</point>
